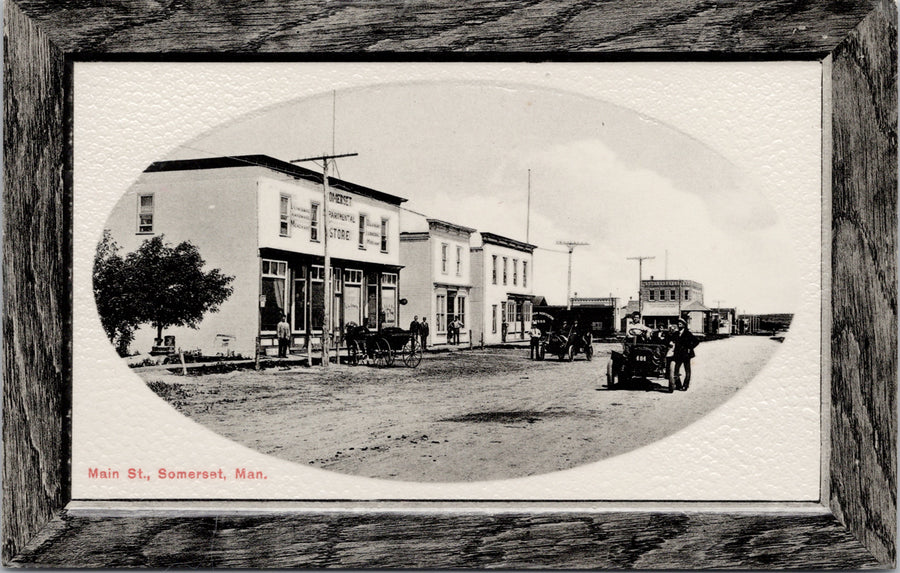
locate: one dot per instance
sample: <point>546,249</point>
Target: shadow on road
<point>637,385</point>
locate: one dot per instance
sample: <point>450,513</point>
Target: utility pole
<point>571,245</point>
<point>640,261</point>
<point>329,280</point>
<point>528,212</point>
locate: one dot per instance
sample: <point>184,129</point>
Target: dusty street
<point>468,415</point>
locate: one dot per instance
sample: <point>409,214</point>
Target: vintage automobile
<point>642,357</point>
<point>565,337</point>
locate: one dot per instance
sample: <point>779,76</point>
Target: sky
<point>624,183</point>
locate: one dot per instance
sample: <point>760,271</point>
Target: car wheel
<point>570,353</point>
<point>611,375</point>
<point>589,352</point>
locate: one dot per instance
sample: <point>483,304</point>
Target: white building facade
<point>502,277</point>
<point>261,221</point>
<point>436,275</point>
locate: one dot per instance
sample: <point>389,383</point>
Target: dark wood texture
<point>516,541</point>
<point>854,528</point>
<point>36,282</point>
<point>864,282</point>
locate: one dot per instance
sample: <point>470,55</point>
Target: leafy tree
<point>157,284</point>
<point>113,292</point>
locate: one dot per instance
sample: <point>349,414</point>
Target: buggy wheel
<point>388,352</point>
<point>541,351</point>
<point>381,352</point>
<point>411,353</point>
<point>589,352</point>
<point>570,353</point>
<point>671,374</point>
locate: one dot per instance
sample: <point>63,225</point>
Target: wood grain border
<point>854,525</point>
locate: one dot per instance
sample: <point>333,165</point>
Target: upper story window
<point>444,248</point>
<point>515,271</point>
<point>362,231</point>
<point>314,222</point>
<point>145,213</point>
<point>524,273</point>
<point>284,216</point>
<point>458,261</point>
<point>384,235</point>
<point>505,269</point>
<point>493,269</point>
<point>652,295</point>
<point>687,295</point>
<point>672,294</point>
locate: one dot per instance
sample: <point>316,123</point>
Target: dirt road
<point>461,416</point>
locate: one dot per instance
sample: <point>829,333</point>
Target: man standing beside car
<point>685,342</point>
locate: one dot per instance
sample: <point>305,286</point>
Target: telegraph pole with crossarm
<point>329,280</point>
<point>571,246</point>
<point>640,261</point>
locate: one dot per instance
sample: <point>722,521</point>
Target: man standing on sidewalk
<point>283,330</point>
<point>423,333</point>
<point>414,328</point>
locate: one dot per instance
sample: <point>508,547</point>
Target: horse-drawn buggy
<point>643,356</point>
<point>564,335</point>
<point>382,348</point>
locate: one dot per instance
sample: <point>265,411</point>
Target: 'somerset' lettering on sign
<point>340,199</point>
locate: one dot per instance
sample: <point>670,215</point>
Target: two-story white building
<point>437,279</point>
<point>260,220</point>
<point>502,277</point>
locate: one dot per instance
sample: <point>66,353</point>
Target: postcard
<point>448,281</point>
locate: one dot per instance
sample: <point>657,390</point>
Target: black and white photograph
<point>541,285</point>
<point>468,278</point>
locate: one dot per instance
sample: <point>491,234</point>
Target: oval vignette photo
<point>445,281</point>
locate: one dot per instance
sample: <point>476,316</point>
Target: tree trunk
<point>159,338</point>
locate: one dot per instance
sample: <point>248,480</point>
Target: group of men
<point>679,339</point>
<point>420,330</point>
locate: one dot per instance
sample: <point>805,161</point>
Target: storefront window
<point>273,284</point>
<point>317,297</point>
<point>494,318</point>
<point>526,311</point>
<point>300,301</point>
<point>440,324</point>
<point>461,309</point>
<point>372,301</point>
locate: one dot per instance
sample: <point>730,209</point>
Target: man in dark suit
<point>685,342</point>
<point>414,328</point>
